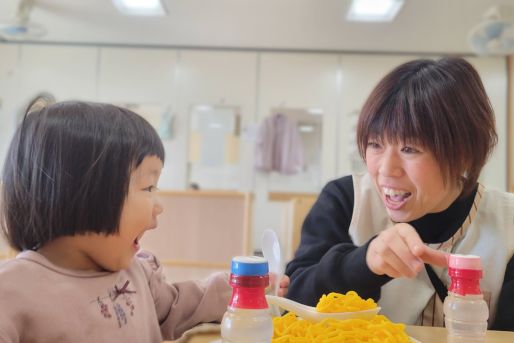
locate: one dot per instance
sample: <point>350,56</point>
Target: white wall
<point>67,72</point>
<point>255,81</point>
<point>8,95</point>
<point>493,72</point>
<point>424,26</point>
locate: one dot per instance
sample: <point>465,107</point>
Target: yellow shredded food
<point>379,329</point>
<point>349,302</point>
<point>291,329</point>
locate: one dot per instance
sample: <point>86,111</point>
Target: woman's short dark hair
<point>441,105</point>
<point>68,169</point>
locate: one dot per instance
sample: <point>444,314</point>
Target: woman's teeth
<point>396,195</point>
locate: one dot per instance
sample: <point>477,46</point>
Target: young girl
<point>78,194</point>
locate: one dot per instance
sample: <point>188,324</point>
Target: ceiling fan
<point>495,34</point>
<point>20,27</point>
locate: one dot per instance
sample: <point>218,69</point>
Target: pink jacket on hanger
<point>279,145</point>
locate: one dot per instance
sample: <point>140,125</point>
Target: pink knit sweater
<point>40,302</point>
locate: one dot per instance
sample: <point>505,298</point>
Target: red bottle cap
<point>465,272</point>
<point>249,279</point>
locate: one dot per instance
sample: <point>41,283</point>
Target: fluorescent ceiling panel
<point>374,10</point>
<point>140,7</point>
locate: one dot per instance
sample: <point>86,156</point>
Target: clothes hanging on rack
<point>279,145</point>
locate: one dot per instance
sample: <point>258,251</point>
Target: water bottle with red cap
<point>248,319</point>
<point>465,310</point>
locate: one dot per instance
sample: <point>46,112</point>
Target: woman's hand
<point>399,252</point>
<point>283,286</point>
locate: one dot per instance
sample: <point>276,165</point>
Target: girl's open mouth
<point>136,243</point>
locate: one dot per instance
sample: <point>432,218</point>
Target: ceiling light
<point>140,7</point>
<point>374,10</point>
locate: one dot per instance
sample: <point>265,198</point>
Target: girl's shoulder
<point>147,263</point>
<point>16,268</point>
<point>148,260</point>
<point>18,279</point>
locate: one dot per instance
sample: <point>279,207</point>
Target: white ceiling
<point>423,26</point>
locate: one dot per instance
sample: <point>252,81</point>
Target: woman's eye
<point>151,189</point>
<point>410,150</point>
<point>373,145</point>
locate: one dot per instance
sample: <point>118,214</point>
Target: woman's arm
<point>505,310</point>
<point>327,260</point>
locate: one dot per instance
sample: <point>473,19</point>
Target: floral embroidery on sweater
<point>118,301</point>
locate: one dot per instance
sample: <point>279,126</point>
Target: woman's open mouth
<point>395,198</point>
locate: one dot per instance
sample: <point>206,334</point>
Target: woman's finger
<point>397,255</point>
<point>431,256</point>
<point>381,267</point>
<point>419,249</point>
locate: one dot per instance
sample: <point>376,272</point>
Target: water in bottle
<point>465,310</point>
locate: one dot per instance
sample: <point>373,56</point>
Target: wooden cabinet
<point>200,231</point>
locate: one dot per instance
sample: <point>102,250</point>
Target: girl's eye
<point>151,189</point>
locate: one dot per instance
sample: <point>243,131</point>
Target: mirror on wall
<point>214,143</point>
<point>309,128</point>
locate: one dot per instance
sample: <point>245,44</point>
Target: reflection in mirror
<point>310,128</point>
<point>213,161</point>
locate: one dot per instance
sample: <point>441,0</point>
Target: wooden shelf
<point>287,196</point>
<point>206,193</point>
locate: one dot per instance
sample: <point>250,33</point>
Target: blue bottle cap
<point>249,266</point>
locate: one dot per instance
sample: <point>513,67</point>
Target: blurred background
<point>213,75</point>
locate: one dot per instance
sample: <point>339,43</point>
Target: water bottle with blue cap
<point>248,319</point>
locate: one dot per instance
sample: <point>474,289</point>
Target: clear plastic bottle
<point>465,310</point>
<point>248,319</point>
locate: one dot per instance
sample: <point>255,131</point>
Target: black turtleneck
<point>441,226</point>
<point>328,261</point>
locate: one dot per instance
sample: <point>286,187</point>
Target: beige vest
<point>488,232</point>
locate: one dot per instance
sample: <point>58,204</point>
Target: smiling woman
<point>386,233</point>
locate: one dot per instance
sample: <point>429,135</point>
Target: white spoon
<point>310,313</point>
<point>271,251</point>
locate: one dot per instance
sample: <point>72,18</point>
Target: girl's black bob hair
<point>68,168</point>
